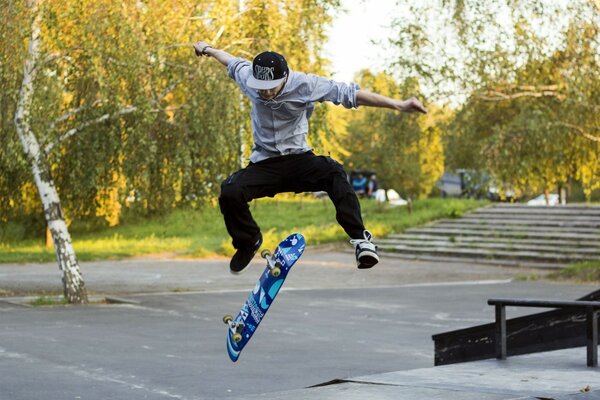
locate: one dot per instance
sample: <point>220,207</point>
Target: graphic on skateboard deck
<point>243,326</point>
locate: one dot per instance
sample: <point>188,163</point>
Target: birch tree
<point>44,94</point>
<point>113,110</point>
<point>73,284</point>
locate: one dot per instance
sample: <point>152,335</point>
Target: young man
<point>281,161</point>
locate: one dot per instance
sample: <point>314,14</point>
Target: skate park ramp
<point>558,375</point>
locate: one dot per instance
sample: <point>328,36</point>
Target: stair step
<point>565,222</point>
<point>557,211</point>
<point>496,254</point>
<point>495,262</point>
<point>467,239</point>
<point>572,206</point>
<point>527,217</point>
<point>446,231</point>
<point>507,235</point>
<point>592,252</point>
<point>514,228</point>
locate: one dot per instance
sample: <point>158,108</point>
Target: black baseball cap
<point>269,69</point>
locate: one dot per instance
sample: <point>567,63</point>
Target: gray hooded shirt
<point>280,125</point>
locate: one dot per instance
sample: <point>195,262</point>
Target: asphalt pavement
<point>331,321</point>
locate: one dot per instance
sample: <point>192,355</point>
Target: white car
<point>540,200</point>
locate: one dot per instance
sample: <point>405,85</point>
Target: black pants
<point>293,173</point>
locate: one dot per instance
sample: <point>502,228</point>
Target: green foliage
<point>588,271</point>
<point>13,167</point>
<point>48,301</point>
<point>404,150</point>
<point>525,73</point>
<point>181,135</point>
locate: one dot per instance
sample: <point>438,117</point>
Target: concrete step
<point>563,222</point>
<point>524,235</point>
<point>551,375</point>
<point>455,224</point>
<point>484,261</point>
<point>557,375</point>
<point>531,211</point>
<point>511,235</point>
<point>525,217</point>
<point>547,257</point>
<point>570,206</point>
<point>559,242</point>
<point>587,251</point>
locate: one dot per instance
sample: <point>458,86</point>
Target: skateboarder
<point>281,161</point>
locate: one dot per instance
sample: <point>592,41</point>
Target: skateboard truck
<point>235,326</point>
<point>274,266</point>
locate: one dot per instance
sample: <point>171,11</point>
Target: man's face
<point>268,94</point>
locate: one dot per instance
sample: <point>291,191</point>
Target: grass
<point>588,271</point>
<point>201,233</point>
<point>583,272</point>
<point>48,301</point>
<point>59,300</point>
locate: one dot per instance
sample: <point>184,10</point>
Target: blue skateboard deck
<point>267,286</point>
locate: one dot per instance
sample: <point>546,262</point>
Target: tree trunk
<point>49,240</point>
<point>560,193</point>
<point>73,284</point>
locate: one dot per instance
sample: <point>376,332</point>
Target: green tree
<point>525,74</point>
<point>107,107</point>
<point>405,152</point>
<point>130,116</point>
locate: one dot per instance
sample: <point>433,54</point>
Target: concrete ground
<point>331,321</point>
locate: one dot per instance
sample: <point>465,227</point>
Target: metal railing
<point>590,307</point>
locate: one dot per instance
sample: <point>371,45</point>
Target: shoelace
<point>368,237</point>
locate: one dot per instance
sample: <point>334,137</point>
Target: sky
<point>350,47</point>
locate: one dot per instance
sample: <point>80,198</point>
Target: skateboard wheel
<point>236,337</point>
<point>227,319</point>
<point>265,253</point>
<point>275,272</point>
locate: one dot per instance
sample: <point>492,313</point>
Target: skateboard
<point>242,327</point>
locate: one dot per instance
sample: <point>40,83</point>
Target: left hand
<point>412,105</point>
<point>200,47</point>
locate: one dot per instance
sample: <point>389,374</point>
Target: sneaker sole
<point>240,272</point>
<point>367,260</point>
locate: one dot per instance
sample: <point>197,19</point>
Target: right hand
<point>200,47</point>
<point>412,105</point>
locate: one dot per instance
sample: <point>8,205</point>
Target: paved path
<point>331,321</point>
<point>317,269</point>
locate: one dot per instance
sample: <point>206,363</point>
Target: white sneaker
<point>366,251</point>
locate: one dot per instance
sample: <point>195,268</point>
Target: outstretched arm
<point>369,99</point>
<point>204,49</point>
